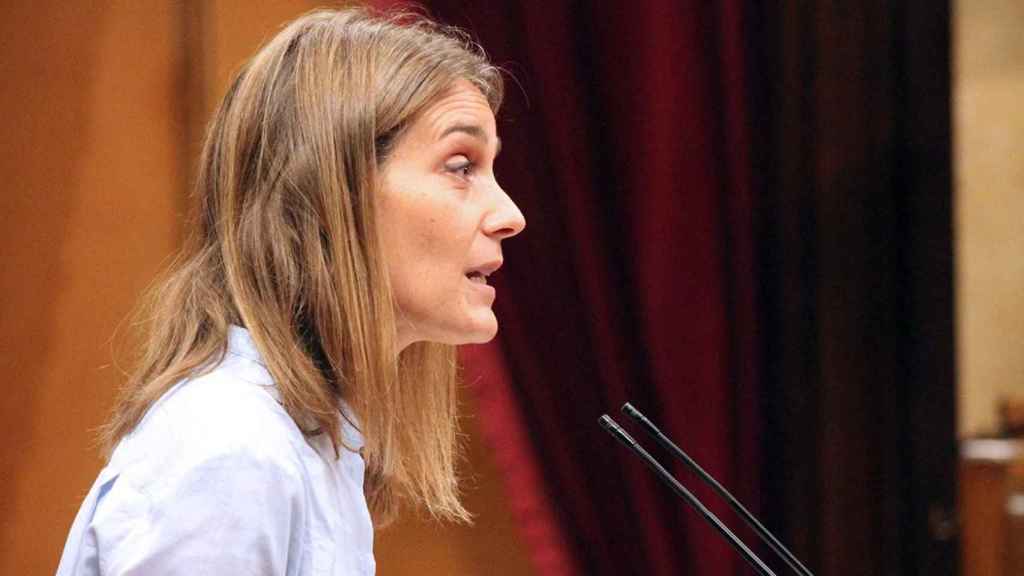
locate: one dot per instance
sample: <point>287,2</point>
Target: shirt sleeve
<point>238,513</point>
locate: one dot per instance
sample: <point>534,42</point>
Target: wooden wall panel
<point>989,128</point>
<point>89,211</point>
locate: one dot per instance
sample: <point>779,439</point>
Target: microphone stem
<point>615,430</point>
<point>767,537</point>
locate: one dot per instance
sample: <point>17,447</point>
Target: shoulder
<point>228,418</point>
<point>215,474</point>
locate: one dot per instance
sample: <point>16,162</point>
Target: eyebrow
<point>472,130</point>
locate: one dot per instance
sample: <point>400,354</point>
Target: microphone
<point>613,428</point>
<point>762,532</point>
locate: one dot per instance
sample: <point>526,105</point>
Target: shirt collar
<point>240,343</point>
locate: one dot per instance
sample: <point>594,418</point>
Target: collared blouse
<point>218,479</point>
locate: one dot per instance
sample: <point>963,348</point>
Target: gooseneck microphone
<point>762,532</point>
<point>615,430</point>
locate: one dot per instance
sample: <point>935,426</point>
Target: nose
<point>505,220</point>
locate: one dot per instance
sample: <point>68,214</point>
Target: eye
<point>460,166</point>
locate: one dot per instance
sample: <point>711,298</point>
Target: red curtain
<point>625,137</point>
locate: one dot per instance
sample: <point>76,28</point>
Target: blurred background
<point>793,236</point>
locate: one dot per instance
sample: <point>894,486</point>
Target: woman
<point>297,385</point>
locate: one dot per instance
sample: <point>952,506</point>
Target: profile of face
<point>442,216</point>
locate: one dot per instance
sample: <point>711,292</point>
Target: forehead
<point>462,104</point>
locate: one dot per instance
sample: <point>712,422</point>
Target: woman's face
<point>442,217</point>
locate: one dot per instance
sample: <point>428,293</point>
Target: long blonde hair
<point>285,245</point>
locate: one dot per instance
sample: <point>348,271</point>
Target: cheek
<point>441,252</point>
<point>427,234</point>
<point>437,231</point>
<point>431,253</point>
<point>429,238</point>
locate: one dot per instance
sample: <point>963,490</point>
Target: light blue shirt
<point>218,479</point>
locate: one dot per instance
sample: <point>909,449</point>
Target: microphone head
<point>628,410</point>
<point>613,428</point>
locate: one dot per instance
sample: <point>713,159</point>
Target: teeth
<point>477,277</point>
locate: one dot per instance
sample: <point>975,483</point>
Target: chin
<point>478,331</point>
<point>483,337</point>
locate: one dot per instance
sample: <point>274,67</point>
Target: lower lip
<point>482,288</point>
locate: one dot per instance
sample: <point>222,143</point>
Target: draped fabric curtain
<point>852,103</point>
<point>740,220</point>
<point>626,146</point>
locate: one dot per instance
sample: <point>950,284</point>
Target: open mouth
<point>479,273</point>
<point>477,277</point>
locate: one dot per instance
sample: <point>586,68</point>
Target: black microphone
<point>766,536</point>
<point>615,430</point>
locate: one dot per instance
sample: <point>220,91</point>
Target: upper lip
<point>487,268</point>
